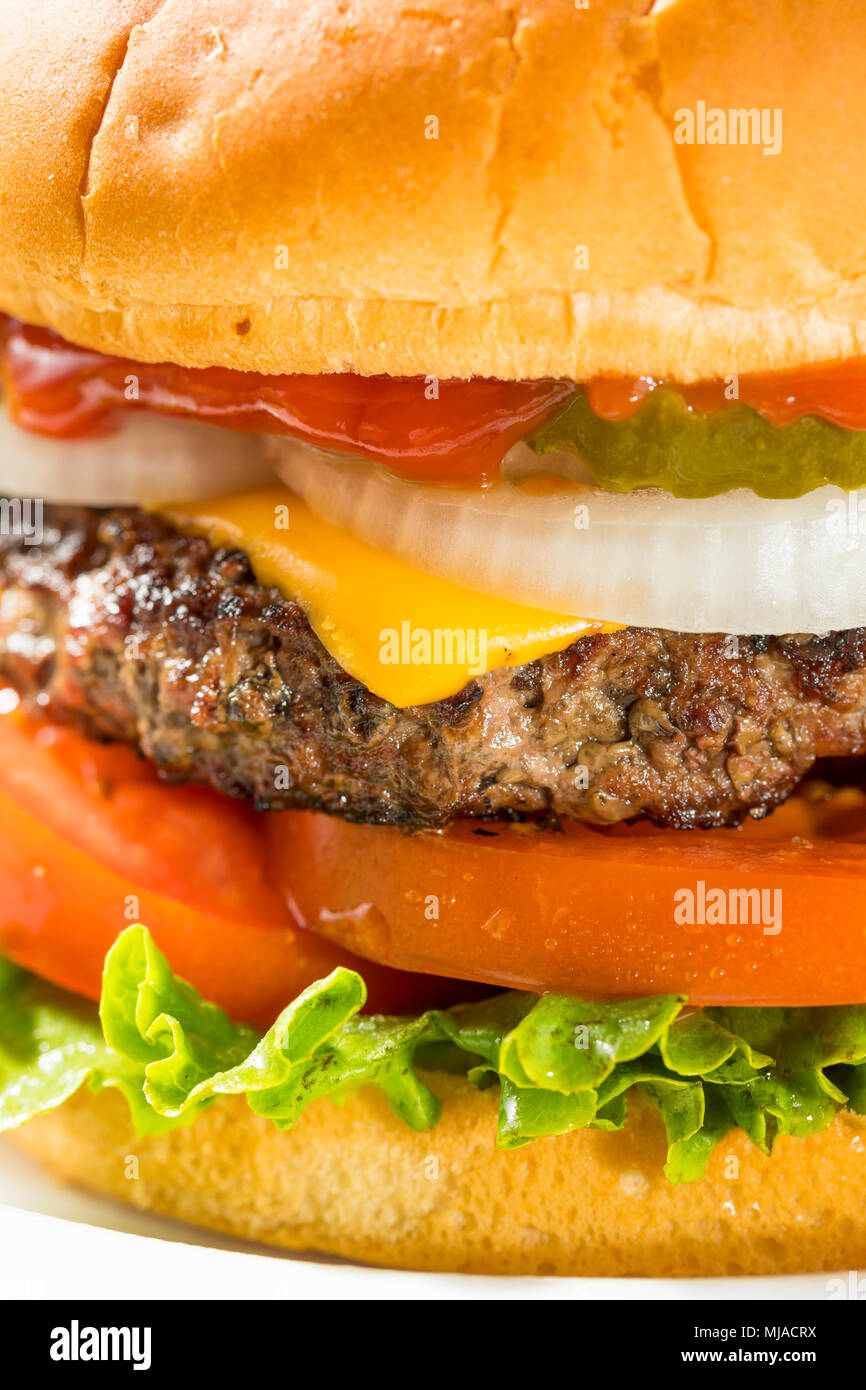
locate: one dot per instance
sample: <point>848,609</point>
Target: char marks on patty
<point>131,630</point>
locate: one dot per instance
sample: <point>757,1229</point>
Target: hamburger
<point>433,823</point>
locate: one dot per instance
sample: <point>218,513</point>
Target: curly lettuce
<point>560,1064</point>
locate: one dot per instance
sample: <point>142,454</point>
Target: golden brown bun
<point>251,185</point>
<point>355,1181</point>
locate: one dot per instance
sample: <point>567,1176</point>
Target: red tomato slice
<point>597,912</point>
<point>91,840</point>
<point>452,432</point>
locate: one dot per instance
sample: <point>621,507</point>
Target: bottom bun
<point>354,1181</point>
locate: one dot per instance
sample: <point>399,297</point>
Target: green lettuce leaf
<point>560,1064</point>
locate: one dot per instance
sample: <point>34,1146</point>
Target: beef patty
<point>131,630</point>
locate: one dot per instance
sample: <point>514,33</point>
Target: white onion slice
<point>151,457</point>
<point>735,563</point>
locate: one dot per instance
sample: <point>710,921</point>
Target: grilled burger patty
<point>132,630</point>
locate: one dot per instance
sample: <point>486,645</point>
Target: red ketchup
<point>450,432</point>
<point>834,390</point>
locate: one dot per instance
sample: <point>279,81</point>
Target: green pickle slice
<point>666,445</point>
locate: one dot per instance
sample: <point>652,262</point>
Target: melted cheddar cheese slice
<point>410,637</point>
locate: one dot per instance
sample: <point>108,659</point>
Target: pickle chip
<point>668,445</point>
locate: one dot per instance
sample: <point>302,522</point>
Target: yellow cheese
<point>410,637</point>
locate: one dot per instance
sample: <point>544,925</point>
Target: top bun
<point>470,187</point>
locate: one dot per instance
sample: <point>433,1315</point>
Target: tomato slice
<point>596,912</point>
<point>450,432</point>
<point>91,840</point>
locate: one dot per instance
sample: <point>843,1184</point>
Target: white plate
<point>59,1243</point>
